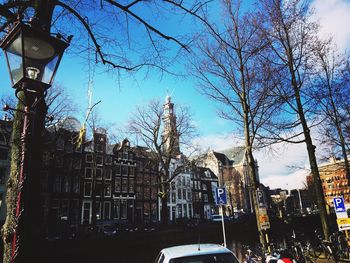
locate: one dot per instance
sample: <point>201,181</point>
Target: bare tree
<point>330,92</point>
<point>228,70</point>
<point>123,35</point>
<point>163,138</point>
<point>291,39</point>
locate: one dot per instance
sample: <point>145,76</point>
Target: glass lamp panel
<point>14,59</point>
<point>37,49</point>
<point>48,73</point>
<point>15,66</point>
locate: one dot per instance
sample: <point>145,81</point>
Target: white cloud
<point>218,142</point>
<point>333,16</point>
<point>294,180</point>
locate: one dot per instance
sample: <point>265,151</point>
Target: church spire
<point>170,133</point>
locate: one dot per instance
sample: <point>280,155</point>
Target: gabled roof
<point>235,154</point>
<point>222,158</point>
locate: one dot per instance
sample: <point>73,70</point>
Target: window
<point>69,147</point>
<point>124,170</point>
<point>108,159</point>
<point>189,196</point>
<point>184,194</point>
<point>125,154</point>
<point>131,185</point>
<point>98,210</point>
<point>99,147</point>
<point>147,192</point>
<point>124,185</point>
<point>118,169</point>
<point>139,179</point>
<point>98,189</point>
<point>204,187</point>
<point>173,197</point>
<point>66,184</point>
<point>147,179</point>
<point>131,170</point>
<point>119,155</point>
<point>77,164</point>
<point>88,173</point>
<point>46,157</point>
<point>138,192</point>
<point>57,184</point>
<point>60,144</point>
<point>59,160</point>
<point>116,208</point>
<point>76,184</point>
<point>154,192</point>
<point>99,173</point>
<point>108,174</point>
<point>123,209</point>
<point>87,189</point>
<point>179,194</point>
<point>88,158</point>
<point>205,197</point>
<point>65,208</point>
<point>107,192</point>
<point>117,185</point>
<point>86,216</point>
<point>99,160</point>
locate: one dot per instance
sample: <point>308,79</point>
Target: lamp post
<point>32,56</point>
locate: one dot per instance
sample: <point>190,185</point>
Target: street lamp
<point>32,56</point>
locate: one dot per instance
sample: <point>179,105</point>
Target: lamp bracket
<point>31,98</point>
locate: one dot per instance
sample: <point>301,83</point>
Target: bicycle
<point>340,245</point>
<point>324,249</point>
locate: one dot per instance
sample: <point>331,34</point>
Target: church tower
<point>170,133</point>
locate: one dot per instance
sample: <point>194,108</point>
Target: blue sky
<point>119,97</point>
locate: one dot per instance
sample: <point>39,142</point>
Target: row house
<point>204,182</point>
<point>334,180</point>
<point>180,193</point>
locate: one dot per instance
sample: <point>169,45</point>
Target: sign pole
<point>223,225</point>
<point>221,200</point>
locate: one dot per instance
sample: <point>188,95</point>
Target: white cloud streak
<point>333,16</point>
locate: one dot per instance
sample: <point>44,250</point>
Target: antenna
<point>170,94</point>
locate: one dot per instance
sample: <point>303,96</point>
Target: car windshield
<point>212,258</point>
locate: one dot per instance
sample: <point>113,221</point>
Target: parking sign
<point>339,204</point>
<point>220,196</point>
<point>261,198</point>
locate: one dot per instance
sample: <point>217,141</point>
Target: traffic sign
<point>261,198</point>
<point>264,221</point>
<point>339,204</point>
<point>343,223</point>
<point>220,196</point>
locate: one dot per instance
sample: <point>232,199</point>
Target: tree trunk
<point>164,210</point>
<point>12,184</point>
<point>321,204</point>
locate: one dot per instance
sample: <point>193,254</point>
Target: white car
<point>196,253</point>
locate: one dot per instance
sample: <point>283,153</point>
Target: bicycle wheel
<point>315,251</point>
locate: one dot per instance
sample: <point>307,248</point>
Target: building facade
<point>334,181</point>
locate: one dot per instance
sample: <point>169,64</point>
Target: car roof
<point>193,249</point>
